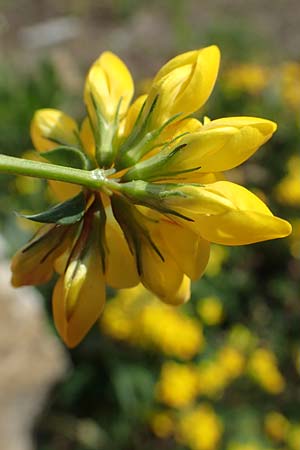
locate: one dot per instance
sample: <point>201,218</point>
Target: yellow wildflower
<point>177,386</point>
<point>250,78</point>
<point>200,428</point>
<point>232,361</point>
<point>293,438</point>
<point>276,426</point>
<point>162,198</point>
<point>215,374</point>
<point>288,190</point>
<point>242,338</point>
<point>245,446</point>
<point>212,378</point>
<point>136,316</point>
<point>162,424</point>
<point>290,84</point>
<point>262,366</point>
<point>210,309</point>
<point>294,239</point>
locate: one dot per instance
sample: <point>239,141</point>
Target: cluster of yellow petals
<point>173,200</point>
<point>137,317</point>
<point>200,428</point>
<point>263,368</point>
<point>288,190</point>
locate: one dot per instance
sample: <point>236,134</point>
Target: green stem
<point>94,179</point>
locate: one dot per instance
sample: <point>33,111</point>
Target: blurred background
<point>221,373</point>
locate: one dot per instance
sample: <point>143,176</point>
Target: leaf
<point>64,213</point>
<point>68,157</point>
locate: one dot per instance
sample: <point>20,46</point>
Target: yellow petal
<point>189,125</point>
<point>87,137</point>
<point>63,191</point>
<point>189,250</point>
<point>132,115</point>
<point>182,295</point>
<point>184,84</point>
<point>121,271</point>
<point>76,307</point>
<point>242,227</point>
<point>33,264</point>
<point>109,81</point>
<point>221,146</point>
<point>246,135</point>
<point>163,277</point>
<point>226,213</point>
<point>51,128</point>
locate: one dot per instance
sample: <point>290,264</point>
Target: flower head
<point>162,197</point>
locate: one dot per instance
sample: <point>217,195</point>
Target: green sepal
<point>65,213</point>
<point>105,134</point>
<point>68,157</point>
<point>130,155</point>
<point>133,225</point>
<point>153,195</point>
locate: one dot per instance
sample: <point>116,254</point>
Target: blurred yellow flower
<point>294,239</point>
<point>136,316</point>
<point>262,366</point>
<point>216,374</point>
<point>162,424</point>
<point>212,378</point>
<point>245,446</point>
<point>293,438</point>
<point>276,426</point>
<point>210,309</point>
<point>200,428</point>
<point>290,84</point>
<point>288,190</point>
<point>250,78</point>
<point>218,256</point>
<point>242,338</point>
<point>232,361</point>
<point>178,384</point>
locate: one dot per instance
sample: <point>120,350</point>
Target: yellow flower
<point>162,424</point>
<point>111,85</point>
<point>245,446</point>
<point>276,426</point>
<point>226,213</point>
<point>163,197</point>
<point>250,78</point>
<point>137,317</point>
<point>178,384</point>
<point>262,366</point>
<point>184,84</point>
<point>232,361</point>
<point>200,428</point>
<point>34,263</point>
<point>288,190</point>
<point>293,438</point>
<point>210,310</point>
<point>212,378</point>
<point>290,84</point>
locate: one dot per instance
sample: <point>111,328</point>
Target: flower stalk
<point>94,179</point>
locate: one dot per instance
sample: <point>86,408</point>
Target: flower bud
<point>111,85</point>
<point>226,213</point>
<point>79,294</point>
<point>52,128</point>
<point>183,84</point>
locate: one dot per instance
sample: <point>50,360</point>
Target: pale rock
<point>32,360</point>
